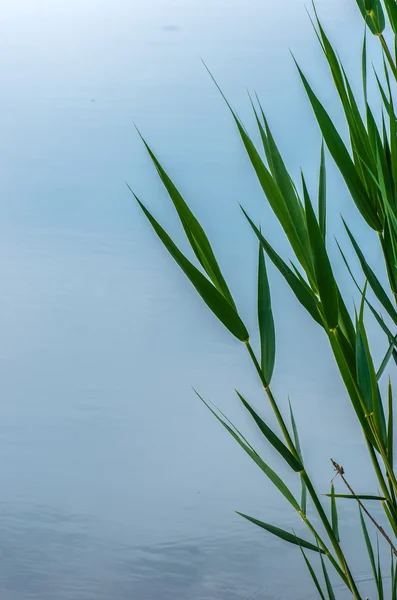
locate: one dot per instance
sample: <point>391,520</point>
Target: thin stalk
<point>335,544</point>
<point>388,55</point>
<point>273,402</point>
<point>345,571</point>
<point>341,473</point>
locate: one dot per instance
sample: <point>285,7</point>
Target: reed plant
<point>368,165</point>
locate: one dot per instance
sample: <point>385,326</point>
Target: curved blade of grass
<point>351,386</point>
<point>372,279</point>
<point>391,8</point>
<point>366,376</point>
<point>299,451</point>
<point>211,296</point>
<point>379,571</point>
<point>368,544</point>
<point>194,232</point>
<point>265,320</point>
<point>334,514</point>
<point>283,180</point>
<point>390,429</point>
<point>356,497</point>
<point>322,194</point>
<point>322,267</point>
<point>286,213</point>
<point>328,584</point>
<point>274,440</point>
<point>313,576</point>
<point>307,299</point>
<point>274,478</point>
<point>342,158</point>
<point>385,360</point>
<point>281,533</point>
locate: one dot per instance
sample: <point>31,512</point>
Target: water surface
<point>115,481</point>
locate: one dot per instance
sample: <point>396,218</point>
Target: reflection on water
<point>59,556</point>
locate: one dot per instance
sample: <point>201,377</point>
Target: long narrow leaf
<point>328,584</point>
<point>299,451</point>
<point>194,232</point>
<point>342,158</point>
<point>281,533</point>
<point>306,298</point>
<point>211,296</point>
<point>313,576</point>
<point>322,194</point>
<point>274,478</point>
<point>372,279</point>
<point>274,440</point>
<point>334,514</point>
<point>322,267</point>
<point>265,320</point>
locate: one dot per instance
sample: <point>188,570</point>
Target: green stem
<point>335,544</point>
<point>273,402</point>
<point>388,55</point>
<point>344,572</point>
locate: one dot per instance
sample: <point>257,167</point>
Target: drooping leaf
<point>281,533</point>
<point>265,320</point>
<point>313,576</point>
<point>368,544</point>
<point>194,232</point>
<point>274,440</point>
<point>334,514</point>
<point>390,429</point>
<point>322,194</point>
<point>299,451</point>
<point>343,160</point>
<point>274,478</point>
<point>373,281</point>
<point>306,298</point>
<point>322,266</point>
<point>328,584</point>
<point>356,497</point>
<point>209,293</point>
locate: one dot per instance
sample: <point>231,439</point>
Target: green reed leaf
<point>302,293</point>
<point>391,9</point>
<point>221,307</point>
<point>356,497</point>
<point>299,451</point>
<point>274,440</point>
<point>368,544</point>
<point>322,266</point>
<point>274,478</point>
<point>313,576</point>
<point>390,428</point>
<point>342,158</point>
<point>322,194</point>
<point>328,584</point>
<point>373,281</point>
<point>334,514</point>
<point>194,232</point>
<point>265,320</point>
<point>386,359</point>
<point>281,533</point>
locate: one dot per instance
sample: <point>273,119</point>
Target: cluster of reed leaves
<point>369,168</point>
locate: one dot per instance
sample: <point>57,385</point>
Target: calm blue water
<point>115,481</point>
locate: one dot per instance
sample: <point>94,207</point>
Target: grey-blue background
<point>115,481</point>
